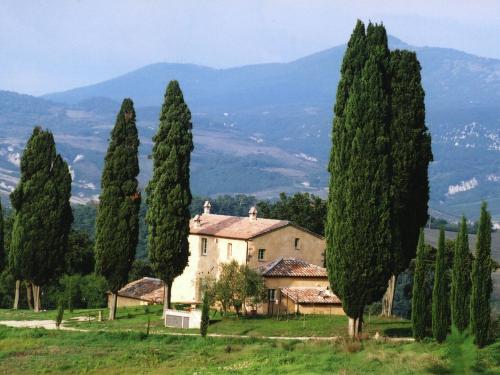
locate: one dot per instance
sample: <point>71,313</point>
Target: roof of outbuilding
<point>316,295</point>
<point>146,289</point>
<point>292,267</point>
<point>234,226</point>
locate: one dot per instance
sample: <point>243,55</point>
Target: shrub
<point>60,313</point>
<point>93,291</point>
<point>205,319</point>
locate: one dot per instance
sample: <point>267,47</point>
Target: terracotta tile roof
<point>316,295</point>
<point>233,226</point>
<point>146,289</point>
<point>292,267</point>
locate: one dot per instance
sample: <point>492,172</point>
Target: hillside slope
<point>265,128</point>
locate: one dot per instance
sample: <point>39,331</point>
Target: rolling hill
<point>265,128</point>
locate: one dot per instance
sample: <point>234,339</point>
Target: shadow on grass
<point>398,332</point>
<point>438,369</point>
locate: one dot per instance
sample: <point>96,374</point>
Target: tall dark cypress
<point>42,214</point>
<point>117,223</point>
<point>168,192</point>
<point>440,297</point>
<point>461,280</point>
<point>418,303</point>
<point>411,154</point>
<point>480,309</point>
<point>360,265</point>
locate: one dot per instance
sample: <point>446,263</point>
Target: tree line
<point>461,291</point>
<point>379,192</point>
<point>41,244</point>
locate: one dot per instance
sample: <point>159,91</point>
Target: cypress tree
<point>440,297</point>
<point>205,319</point>
<point>482,286</point>
<point>461,280</point>
<point>411,154</point>
<point>168,192</point>
<point>42,214</point>
<point>117,222</point>
<point>360,265</point>
<point>418,303</point>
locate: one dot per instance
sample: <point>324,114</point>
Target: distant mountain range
<point>263,129</point>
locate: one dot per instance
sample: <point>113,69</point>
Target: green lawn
<point>122,347</point>
<point>135,319</point>
<point>25,351</point>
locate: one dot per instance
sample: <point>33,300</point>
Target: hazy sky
<point>50,45</point>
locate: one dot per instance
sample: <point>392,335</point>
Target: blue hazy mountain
<point>265,128</point>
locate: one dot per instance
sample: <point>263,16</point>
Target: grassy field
<point>25,351</point>
<point>136,318</point>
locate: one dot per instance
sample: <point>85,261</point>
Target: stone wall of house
<point>125,301</point>
<point>186,288</point>
<point>281,244</point>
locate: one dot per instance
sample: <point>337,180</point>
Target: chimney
<point>206,207</point>
<point>252,214</point>
<point>197,221</point>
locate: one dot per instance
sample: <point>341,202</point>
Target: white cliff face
<point>462,186</point>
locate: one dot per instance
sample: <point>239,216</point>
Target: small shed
<point>145,291</point>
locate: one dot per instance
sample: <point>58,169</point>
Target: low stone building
<point>145,291</point>
<point>296,286</point>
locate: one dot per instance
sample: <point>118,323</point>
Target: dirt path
<point>47,324</point>
<point>50,324</point>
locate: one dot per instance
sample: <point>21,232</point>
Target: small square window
<point>261,254</point>
<point>229,250</point>
<point>204,246</point>
<point>297,244</point>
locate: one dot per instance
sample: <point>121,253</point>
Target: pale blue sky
<point>49,45</point>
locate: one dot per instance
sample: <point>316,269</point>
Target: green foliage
<point>440,296</point>
<point>461,280</point>
<point>410,154</point>
<point>60,314</point>
<point>237,284</point>
<point>85,215</point>
<point>358,229</point>
<point>482,286</point>
<point>419,305</point>
<point>93,291</point>
<point>79,258</point>
<point>237,205</point>
<point>140,268</point>
<point>2,246</point>
<point>462,353</point>
<point>205,318</point>
<point>43,214</point>
<point>70,291</point>
<point>303,209</point>
<point>168,191</point>
<point>117,223</point>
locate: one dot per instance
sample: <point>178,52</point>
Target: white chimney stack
<point>206,207</point>
<point>197,221</point>
<point>252,214</point>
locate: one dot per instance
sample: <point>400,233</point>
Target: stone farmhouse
<point>258,243</point>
